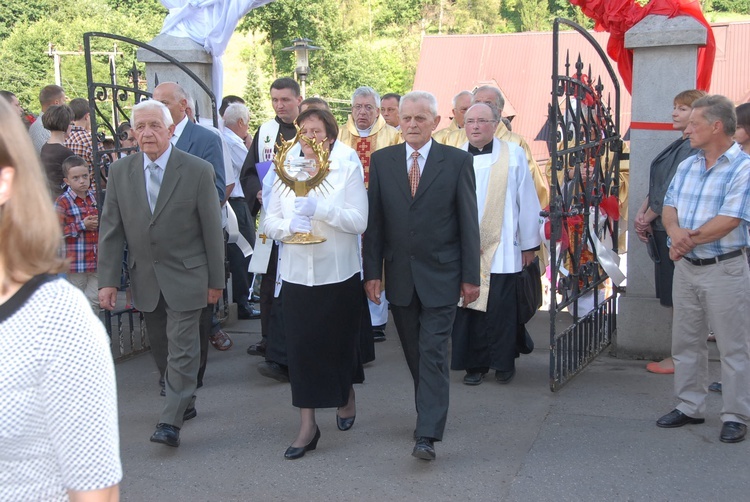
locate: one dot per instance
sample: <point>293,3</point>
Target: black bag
<point>529,290</point>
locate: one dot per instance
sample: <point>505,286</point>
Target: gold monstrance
<point>302,176</point>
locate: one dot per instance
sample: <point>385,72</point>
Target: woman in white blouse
<point>321,285</point>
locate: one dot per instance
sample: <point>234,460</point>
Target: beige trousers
<point>88,282</point>
<point>716,295</point>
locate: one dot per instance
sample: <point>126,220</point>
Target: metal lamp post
<point>301,47</point>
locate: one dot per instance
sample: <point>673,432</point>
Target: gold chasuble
<point>458,138</point>
<point>381,135</point>
<point>441,135</point>
<point>491,222</point>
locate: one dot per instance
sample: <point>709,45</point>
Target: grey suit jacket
<point>179,250</point>
<point>431,242</point>
<point>204,144</point>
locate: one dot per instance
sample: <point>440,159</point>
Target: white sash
<point>267,139</point>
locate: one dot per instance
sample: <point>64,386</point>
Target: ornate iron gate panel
<point>585,150</point>
<point>112,92</point>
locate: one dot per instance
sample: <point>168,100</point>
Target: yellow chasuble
<point>458,138</point>
<point>381,135</point>
<point>441,135</point>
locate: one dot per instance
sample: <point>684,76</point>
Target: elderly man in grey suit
<point>163,204</point>
<point>423,227</point>
<point>205,144</point>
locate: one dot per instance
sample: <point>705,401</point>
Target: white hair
<point>415,96</point>
<point>367,92</point>
<point>460,94</point>
<point>152,104</point>
<point>235,112</point>
<point>499,100</point>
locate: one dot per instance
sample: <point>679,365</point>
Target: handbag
<point>529,291</point>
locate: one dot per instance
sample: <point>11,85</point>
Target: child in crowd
<point>80,220</point>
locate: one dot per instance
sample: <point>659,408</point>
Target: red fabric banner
<point>618,16</point>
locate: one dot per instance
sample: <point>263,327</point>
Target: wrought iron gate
<point>585,150</point>
<point>112,92</point>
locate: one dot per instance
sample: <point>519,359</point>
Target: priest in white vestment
<point>484,334</point>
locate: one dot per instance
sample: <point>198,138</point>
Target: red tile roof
<point>520,64</point>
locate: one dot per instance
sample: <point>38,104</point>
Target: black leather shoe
<point>505,376</point>
<point>247,311</point>
<point>190,413</point>
<point>344,424</point>
<point>293,452</point>
<point>424,449</point>
<point>676,418</point>
<point>166,434</point>
<point>473,378</point>
<point>378,335</point>
<point>257,349</point>
<point>733,432</point>
<point>274,370</point>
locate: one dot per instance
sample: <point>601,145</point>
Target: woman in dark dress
<point>648,223</point>
<point>321,284</point>
<point>56,120</point>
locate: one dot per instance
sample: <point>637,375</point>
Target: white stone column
<point>187,52</point>
<point>665,64</point>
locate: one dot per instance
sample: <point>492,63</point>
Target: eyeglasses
<point>367,108</point>
<point>479,122</point>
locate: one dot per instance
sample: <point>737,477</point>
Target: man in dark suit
<point>162,203</point>
<point>205,144</point>
<point>423,227</point>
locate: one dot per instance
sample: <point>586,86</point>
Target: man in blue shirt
<point>706,214</point>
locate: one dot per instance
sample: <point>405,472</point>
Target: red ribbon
<point>618,16</point>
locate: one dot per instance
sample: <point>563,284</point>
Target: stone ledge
<point>661,31</point>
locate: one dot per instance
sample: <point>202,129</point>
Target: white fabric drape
<point>209,23</point>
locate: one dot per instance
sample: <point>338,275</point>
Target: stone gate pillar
<point>665,64</point>
<point>189,53</point>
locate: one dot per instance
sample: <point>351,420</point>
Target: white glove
<point>300,224</point>
<point>305,206</point>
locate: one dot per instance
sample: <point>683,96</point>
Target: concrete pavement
<point>596,439</point>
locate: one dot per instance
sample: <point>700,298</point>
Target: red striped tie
<point>414,173</point>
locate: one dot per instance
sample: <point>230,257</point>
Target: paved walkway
<point>594,440</point>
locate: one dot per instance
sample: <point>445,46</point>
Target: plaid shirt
<point>79,142</point>
<point>699,195</point>
<point>80,244</point>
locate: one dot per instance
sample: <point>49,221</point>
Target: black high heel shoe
<point>294,452</point>
<point>344,424</point>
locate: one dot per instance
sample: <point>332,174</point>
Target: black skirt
<point>322,327</point>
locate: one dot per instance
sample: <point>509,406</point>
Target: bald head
<point>174,97</point>
<point>480,123</point>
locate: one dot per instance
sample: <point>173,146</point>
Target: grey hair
<point>499,100</point>
<point>152,104</point>
<point>235,112</point>
<point>460,94</point>
<point>718,107</point>
<point>495,113</point>
<point>366,92</point>
<point>415,96</point>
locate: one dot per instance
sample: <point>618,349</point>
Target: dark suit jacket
<point>431,242</point>
<point>204,144</point>
<point>179,250</point>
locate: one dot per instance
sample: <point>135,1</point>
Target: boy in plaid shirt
<point>80,220</point>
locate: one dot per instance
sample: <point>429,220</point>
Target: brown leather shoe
<point>221,340</point>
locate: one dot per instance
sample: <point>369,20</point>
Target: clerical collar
<point>363,133</point>
<point>481,151</point>
<point>284,124</point>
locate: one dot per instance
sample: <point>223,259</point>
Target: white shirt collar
<point>424,151</point>
<point>178,129</point>
<point>161,161</point>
